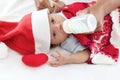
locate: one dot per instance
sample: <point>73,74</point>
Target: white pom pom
<point>3,51</point>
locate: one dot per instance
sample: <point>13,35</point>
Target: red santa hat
<point>30,37</point>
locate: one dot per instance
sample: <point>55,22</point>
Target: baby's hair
<point>54,45</point>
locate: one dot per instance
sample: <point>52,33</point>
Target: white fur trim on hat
<point>41,31</point>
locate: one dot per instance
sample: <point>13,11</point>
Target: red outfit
<point>98,42</point>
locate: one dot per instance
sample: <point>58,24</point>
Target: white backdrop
<point>11,67</point>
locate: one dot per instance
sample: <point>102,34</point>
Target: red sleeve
<point>71,9</point>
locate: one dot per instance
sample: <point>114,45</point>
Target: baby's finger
<point>56,8</point>
<point>55,56</point>
<point>54,63</point>
<point>59,53</point>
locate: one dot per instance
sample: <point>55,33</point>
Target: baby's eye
<point>53,21</point>
<point>54,34</point>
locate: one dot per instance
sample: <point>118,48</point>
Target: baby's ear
<point>35,60</point>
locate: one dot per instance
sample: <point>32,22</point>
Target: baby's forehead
<point>53,14</point>
<point>56,15</point>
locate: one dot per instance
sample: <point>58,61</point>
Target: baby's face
<point>56,30</point>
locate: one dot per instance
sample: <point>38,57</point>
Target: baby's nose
<point>60,26</point>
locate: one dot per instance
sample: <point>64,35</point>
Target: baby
<point>97,44</point>
<point>35,34</point>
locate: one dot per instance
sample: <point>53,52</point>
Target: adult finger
<point>99,26</point>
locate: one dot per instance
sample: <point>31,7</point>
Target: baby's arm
<point>75,58</point>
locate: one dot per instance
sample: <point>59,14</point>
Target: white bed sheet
<point>11,68</point>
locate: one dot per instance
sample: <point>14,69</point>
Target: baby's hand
<point>61,59</point>
<point>42,4</point>
<point>53,6</point>
<point>57,5</point>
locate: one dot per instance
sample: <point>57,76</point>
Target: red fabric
<point>6,28</point>
<point>111,51</point>
<point>98,41</point>
<point>70,10</point>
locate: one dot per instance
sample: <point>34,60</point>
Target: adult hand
<point>57,5</point>
<point>97,12</point>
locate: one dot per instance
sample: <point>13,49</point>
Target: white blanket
<point>11,67</point>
